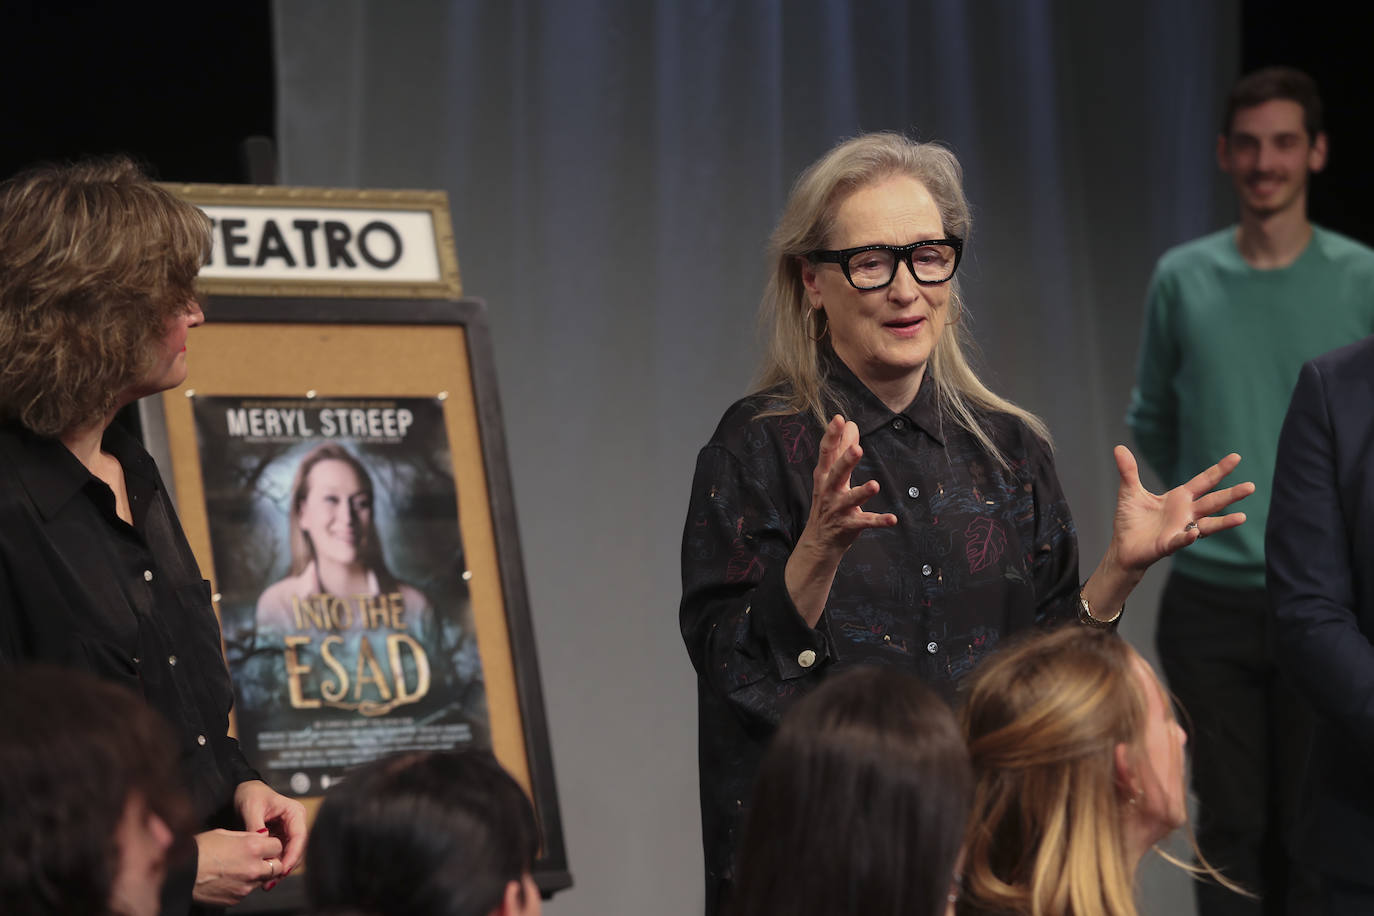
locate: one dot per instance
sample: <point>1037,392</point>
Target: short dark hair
<point>73,751</point>
<point>860,804</point>
<point>434,833</point>
<point>1271,83</point>
<point>95,261</point>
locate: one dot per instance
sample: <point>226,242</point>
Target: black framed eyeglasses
<point>931,262</point>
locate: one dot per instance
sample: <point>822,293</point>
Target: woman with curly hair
<point>97,268</point>
<point>1079,771</point>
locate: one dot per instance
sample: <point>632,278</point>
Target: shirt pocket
<point>195,594</point>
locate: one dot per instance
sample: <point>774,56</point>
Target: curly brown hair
<point>95,261</point>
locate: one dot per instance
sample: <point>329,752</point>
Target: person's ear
<point>521,898</point>
<point>512,901</point>
<point>1223,154</point>
<point>1125,772</point>
<point>1316,156</point>
<point>813,288</point>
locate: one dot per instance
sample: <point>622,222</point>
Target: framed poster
<point>340,470</point>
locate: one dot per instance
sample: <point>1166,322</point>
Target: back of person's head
<point>78,758</point>
<point>1044,720</point>
<point>441,833</point>
<point>95,261</point>
<point>1272,83</point>
<point>860,804</point>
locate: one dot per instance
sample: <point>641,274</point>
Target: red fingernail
<point>262,830</point>
<point>288,871</point>
<point>270,885</point>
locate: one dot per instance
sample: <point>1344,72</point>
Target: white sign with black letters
<point>332,244</point>
<point>273,240</point>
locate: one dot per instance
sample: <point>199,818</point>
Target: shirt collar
<point>868,412</point>
<point>132,456</point>
<point>52,475</point>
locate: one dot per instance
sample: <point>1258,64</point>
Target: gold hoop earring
<point>820,320</point>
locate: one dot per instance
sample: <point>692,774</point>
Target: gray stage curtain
<point>615,167</point>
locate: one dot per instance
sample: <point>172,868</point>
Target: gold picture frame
<point>358,348</point>
<point>284,206</point>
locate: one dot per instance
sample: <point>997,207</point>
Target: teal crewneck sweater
<point>1219,355</point>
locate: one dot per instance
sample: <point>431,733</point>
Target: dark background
<point>176,87</point>
<point>179,87</point>
<point>1333,47</point>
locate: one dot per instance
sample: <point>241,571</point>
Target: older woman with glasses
<point>873,501</point>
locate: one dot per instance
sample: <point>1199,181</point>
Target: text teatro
<point>309,242</point>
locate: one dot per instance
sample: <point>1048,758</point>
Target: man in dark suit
<point>1320,548</point>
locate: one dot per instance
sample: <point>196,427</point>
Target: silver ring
<point>273,863</point>
<point>1191,526</point>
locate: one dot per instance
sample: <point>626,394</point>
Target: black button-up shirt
<point>80,587</point>
<point>978,553</point>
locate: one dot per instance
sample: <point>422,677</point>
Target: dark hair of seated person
<point>74,751</point>
<point>860,804</point>
<point>434,833</point>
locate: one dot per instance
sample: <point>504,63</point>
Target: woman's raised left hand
<point>1150,526</point>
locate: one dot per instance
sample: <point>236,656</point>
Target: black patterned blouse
<point>977,554</point>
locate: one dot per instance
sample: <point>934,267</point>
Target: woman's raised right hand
<point>837,519</point>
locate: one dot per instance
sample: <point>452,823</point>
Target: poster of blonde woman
<point>344,602</point>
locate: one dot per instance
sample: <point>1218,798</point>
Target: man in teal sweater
<point>1231,318</point>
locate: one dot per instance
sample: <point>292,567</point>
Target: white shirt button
<point>172,660</point>
<point>898,423</point>
<point>932,647</point>
<point>200,739</point>
<point>914,492</point>
<point>926,569</point>
<point>807,658</point>
<point>887,638</point>
<point>147,575</point>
